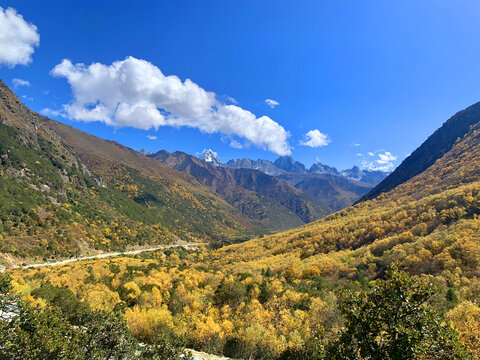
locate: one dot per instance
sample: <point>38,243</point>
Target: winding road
<point>105,255</point>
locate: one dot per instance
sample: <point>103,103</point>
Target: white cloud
<point>152,137</point>
<point>314,138</point>
<point>384,162</point>
<point>359,154</point>
<point>20,82</point>
<point>50,112</point>
<point>357,145</point>
<point>17,38</point>
<point>386,158</point>
<point>272,103</point>
<point>134,92</point>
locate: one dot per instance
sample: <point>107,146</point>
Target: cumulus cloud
<point>314,138</point>
<point>272,103</point>
<point>151,137</point>
<point>20,82</point>
<point>134,92</point>
<point>18,38</point>
<point>384,161</point>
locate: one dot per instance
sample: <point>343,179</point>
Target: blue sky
<point>374,76</point>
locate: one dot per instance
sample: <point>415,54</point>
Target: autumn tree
<point>392,320</point>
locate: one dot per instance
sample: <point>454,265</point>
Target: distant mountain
<point>319,168</point>
<point>145,152</point>
<point>211,157</point>
<point>438,144</point>
<point>269,202</point>
<point>364,175</point>
<point>262,165</point>
<point>288,164</point>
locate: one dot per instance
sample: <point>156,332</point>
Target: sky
<point>338,82</point>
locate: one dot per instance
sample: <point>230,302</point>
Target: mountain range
<point>286,164</point>
<point>275,196</point>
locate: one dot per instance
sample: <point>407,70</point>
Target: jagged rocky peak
<point>319,168</point>
<point>146,152</point>
<point>289,165</point>
<point>244,163</point>
<point>354,173</point>
<point>211,157</point>
<point>364,175</point>
<point>262,165</point>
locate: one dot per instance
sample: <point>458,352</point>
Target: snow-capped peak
<point>211,157</point>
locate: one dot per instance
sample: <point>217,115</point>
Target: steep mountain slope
<point>63,192</point>
<point>439,143</point>
<point>267,201</point>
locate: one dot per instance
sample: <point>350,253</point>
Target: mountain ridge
<point>432,149</point>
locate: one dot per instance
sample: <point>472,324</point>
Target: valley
<point>268,296</point>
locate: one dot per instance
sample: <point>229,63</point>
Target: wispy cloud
<point>152,137</point>
<point>20,82</point>
<point>272,103</point>
<point>50,112</point>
